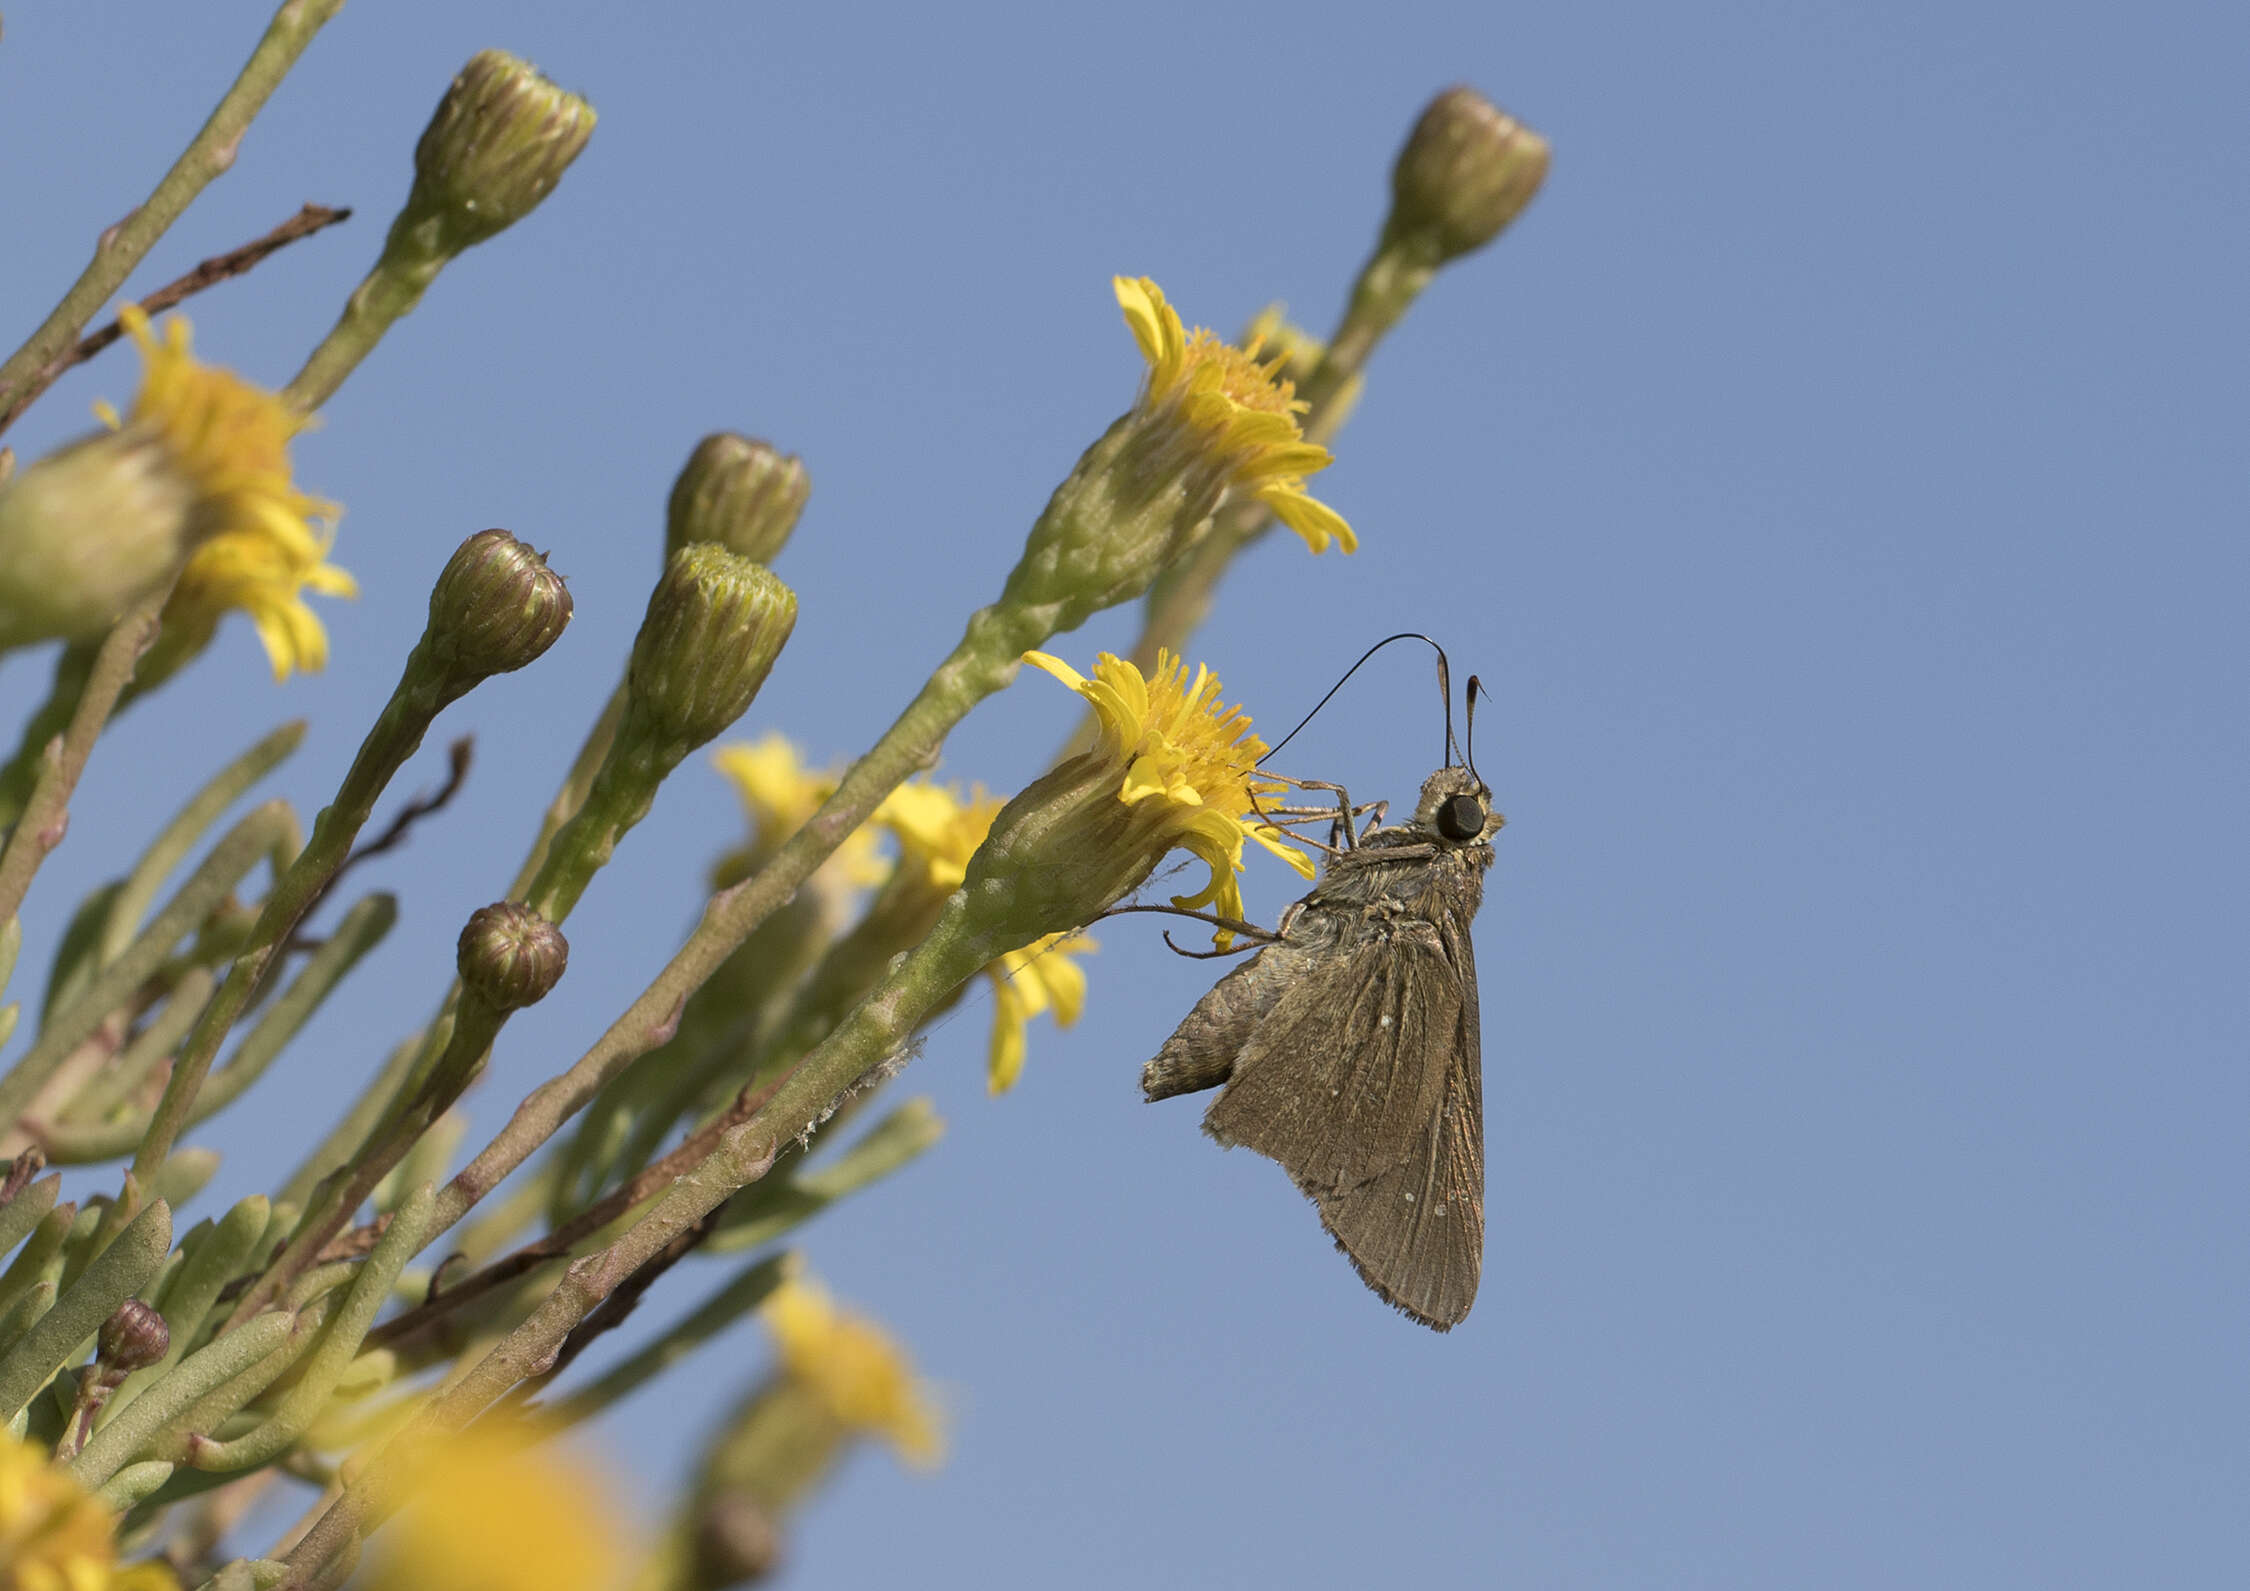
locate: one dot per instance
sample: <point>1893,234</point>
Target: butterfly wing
<point>1342,1077</point>
<point>1203,1049</point>
<point>1415,1232</point>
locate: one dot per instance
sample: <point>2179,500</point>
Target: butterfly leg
<point>1345,812</point>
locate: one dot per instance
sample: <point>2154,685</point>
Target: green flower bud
<point>133,1338</point>
<point>1467,170</point>
<point>715,624</point>
<point>510,956</point>
<point>501,139</point>
<point>88,530</point>
<point>1064,851</point>
<point>738,492</point>
<point>495,608</point>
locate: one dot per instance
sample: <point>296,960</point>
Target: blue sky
<point>1837,477</point>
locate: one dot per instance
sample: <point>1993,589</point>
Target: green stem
<point>475,1026</point>
<point>983,662</point>
<point>359,931</point>
<point>620,796</point>
<point>199,1374</point>
<point>344,1139</point>
<point>26,1210</point>
<point>107,1281</point>
<point>132,1485</point>
<point>180,836</point>
<point>746,1291</point>
<point>205,889</point>
<point>207,155</point>
<point>392,288</point>
<point>423,690</point>
<point>154,1044</point>
<point>871,1037</point>
<point>340,1340</point>
<point>212,1260</point>
<point>30,1265</point>
<point>46,811</point>
<point>73,664</point>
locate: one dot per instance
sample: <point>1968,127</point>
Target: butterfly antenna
<point>1403,635</point>
<point>1476,686</point>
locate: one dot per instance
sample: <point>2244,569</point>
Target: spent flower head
<point>863,1378</point>
<point>196,474</point>
<point>55,1535</point>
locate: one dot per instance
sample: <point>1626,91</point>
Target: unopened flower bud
<point>133,1338</point>
<point>501,139</point>
<point>496,608</point>
<point>1467,170</point>
<point>715,624</point>
<point>739,492</point>
<point>510,956</point>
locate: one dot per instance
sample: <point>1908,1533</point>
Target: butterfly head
<point>1457,807</point>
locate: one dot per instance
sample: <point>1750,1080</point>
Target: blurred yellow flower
<point>492,1512</point>
<point>253,537</point>
<point>1186,764</point>
<point>938,830</point>
<point>856,1371</point>
<point>1025,982</point>
<point>1233,408</point>
<point>779,792</point>
<point>55,1536</point>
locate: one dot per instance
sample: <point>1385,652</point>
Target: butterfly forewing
<point>1339,1080</point>
<point>1416,1233</point>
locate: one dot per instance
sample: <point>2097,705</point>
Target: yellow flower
<point>862,1377</point>
<point>1237,408</point>
<point>938,830</point>
<point>779,793</point>
<point>490,1512</point>
<point>55,1536</point>
<point>1026,982</point>
<point>1301,353</point>
<point>1187,767</point>
<point>255,545</point>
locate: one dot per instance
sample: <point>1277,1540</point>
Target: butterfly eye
<point>1461,818</point>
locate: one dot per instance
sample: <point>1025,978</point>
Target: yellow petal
<point>1276,841</point>
<point>1143,303</point>
<point>1004,1061</point>
<point>1314,520</point>
<point>1066,979</point>
<point>1051,664</point>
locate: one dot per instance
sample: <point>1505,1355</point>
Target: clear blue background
<point>1838,477</point>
